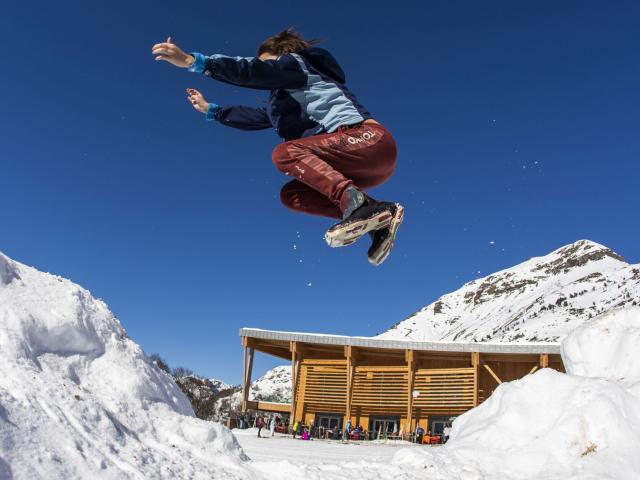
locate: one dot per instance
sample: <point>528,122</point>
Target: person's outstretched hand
<point>197,100</point>
<point>170,52</point>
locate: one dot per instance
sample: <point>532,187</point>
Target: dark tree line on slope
<point>162,364</point>
<point>201,392</point>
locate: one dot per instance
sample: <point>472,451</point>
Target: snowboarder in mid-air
<point>332,146</point>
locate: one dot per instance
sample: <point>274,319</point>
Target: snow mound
<point>79,399</point>
<point>607,347</point>
<point>580,425</point>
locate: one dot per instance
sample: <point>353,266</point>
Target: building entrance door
<point>382,427</point>
<point>328,420</point>
<point>437,424</point>
<point>327,425</point>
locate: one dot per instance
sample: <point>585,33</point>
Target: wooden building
<point>389,384</point>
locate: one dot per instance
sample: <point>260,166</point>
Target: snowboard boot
<point>384,239</point>
<point>361,215</point>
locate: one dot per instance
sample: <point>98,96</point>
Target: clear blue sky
<point>517,123</point>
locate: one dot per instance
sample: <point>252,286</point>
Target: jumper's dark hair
<point>287,41</point>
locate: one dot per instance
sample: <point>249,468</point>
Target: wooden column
<point>302,382</point>
<point>409,357</point>
<point>295,349</point>
<point>350,358</point>
<point>247,366</point>
<point>544,360</point>
<point>475,362</point>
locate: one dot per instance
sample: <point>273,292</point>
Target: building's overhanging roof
<point>369,342</point>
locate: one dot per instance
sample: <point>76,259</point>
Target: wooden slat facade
<point>359,382</point>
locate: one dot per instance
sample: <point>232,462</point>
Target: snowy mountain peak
<point>575,255</point>
<point>541,299</point>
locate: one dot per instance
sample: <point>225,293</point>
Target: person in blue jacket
<point>346,434</point>
<point>332,146</point>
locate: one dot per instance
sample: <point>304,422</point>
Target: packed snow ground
<point>79,399</point>
<point>314,452</point>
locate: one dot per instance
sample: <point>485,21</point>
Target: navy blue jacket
<point>308,92</point>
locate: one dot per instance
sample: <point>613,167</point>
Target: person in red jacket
<point>259,424</point>
<point>332,146</point>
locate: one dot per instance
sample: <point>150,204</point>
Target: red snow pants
<point>363,155</point>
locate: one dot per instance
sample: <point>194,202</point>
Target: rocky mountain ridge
<point>213,399</point>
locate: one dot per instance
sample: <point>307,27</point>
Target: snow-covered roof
<point>369,342</point>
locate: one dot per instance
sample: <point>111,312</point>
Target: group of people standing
<point>441,438</point>
<point>303,432</point>
<point>272,422</point>
<point>260,422</point>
